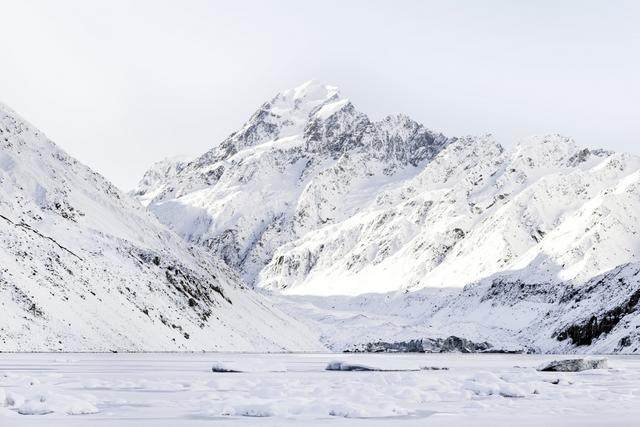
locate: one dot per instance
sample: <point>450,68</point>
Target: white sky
<point>121,84</point>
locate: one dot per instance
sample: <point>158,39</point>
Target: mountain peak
<point>312,90</point>
<point>303,99</point>
<point>546,149</point>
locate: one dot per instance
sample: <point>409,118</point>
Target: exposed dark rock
<point>624,342</point>
<point>26,226</point>
<point>585,333</point>
<point>573,365</point>
<point>223,369</point>
<point>429,345</point>
<point>412,346</point>
<point>462,345</point>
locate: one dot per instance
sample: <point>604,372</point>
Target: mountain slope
<point>83,267</point>
<point>601,316</point>
<point>474,211</point>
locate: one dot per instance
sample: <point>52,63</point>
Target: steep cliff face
<point>83,267</point>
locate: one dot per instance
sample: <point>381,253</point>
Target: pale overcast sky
<point>121,84</point>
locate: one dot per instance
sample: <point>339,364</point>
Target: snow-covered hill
<point>83,267</point>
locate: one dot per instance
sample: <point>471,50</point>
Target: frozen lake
<point>294,389</point>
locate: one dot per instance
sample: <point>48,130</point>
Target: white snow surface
<point>180,389</point>
<point>84,267</point>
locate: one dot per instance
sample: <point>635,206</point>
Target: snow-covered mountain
<point>534,246</point>
<point>305,160</point>
<point>83,267</point>
<point>312,197</point>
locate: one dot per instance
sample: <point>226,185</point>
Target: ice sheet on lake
<point>295,389</point>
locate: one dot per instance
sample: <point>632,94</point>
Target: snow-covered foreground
<point>294,389</point>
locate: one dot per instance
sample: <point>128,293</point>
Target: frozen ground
<point>294,389</point>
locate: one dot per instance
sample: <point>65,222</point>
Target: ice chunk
<point>344,366</point>
<point>13,399</point>
<point>253,410</point>
<point>267,365</point>
<point>74,406</point>
<point>222,368</point>
<point>573,365</point>
<point>37,406</point>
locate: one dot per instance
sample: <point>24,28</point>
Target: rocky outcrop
<point>573,365</point>
<point>585,333</point>
<point>450,344</point>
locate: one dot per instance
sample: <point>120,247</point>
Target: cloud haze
<point>121,84</point>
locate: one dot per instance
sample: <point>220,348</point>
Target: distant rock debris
<point>574,365</point>
<point>344,366</point>
<point>455,344</point>
<point>450,344</point>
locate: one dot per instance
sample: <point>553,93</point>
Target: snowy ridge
<point>86,268</point>
<point>476,210</point>
<point>152,183</point>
